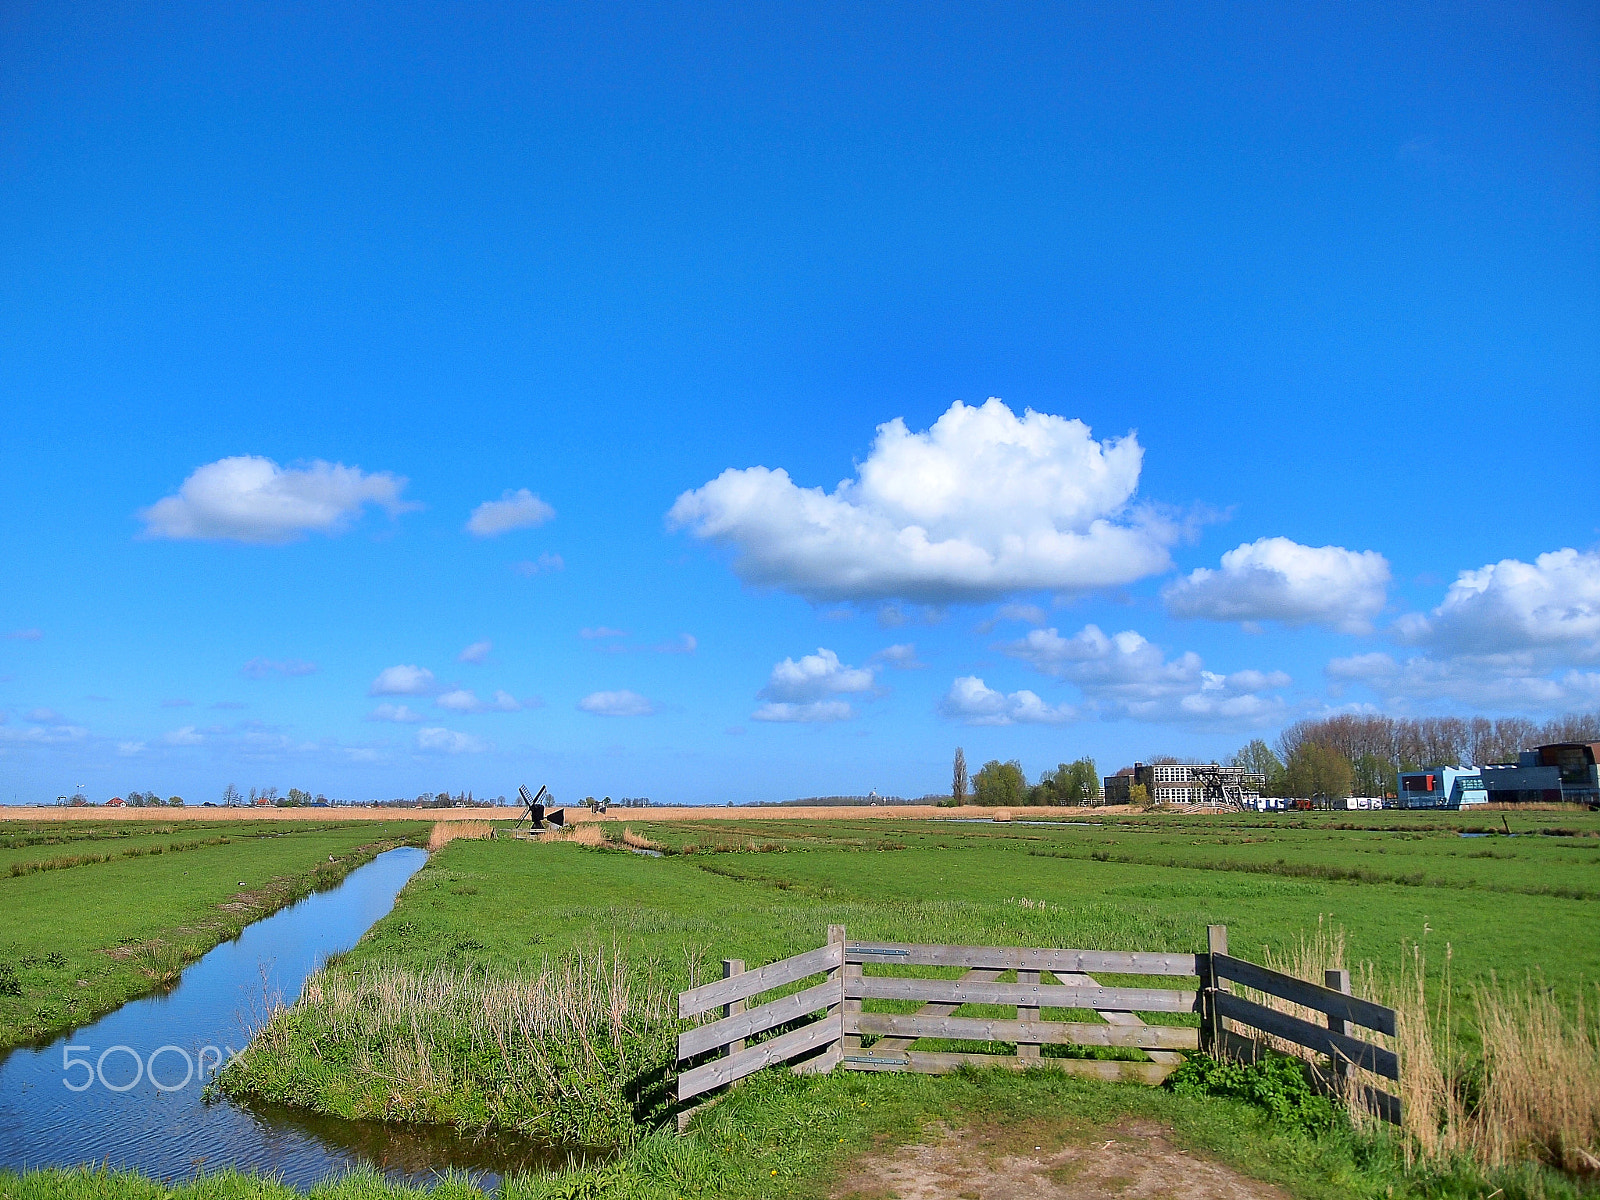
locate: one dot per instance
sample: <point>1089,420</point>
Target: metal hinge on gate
<point>879,950</point>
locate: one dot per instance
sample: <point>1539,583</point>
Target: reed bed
<point>445,832</point>
<point>587,834</point>
<point>562,1052</point>
<point>1531,1093</point>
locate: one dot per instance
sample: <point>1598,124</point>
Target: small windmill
<point>534,810</point>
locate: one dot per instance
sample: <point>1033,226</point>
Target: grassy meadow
<point>95,913</point>
<point>532,986</point>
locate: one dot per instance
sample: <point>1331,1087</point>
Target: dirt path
<point>1134,1160</point>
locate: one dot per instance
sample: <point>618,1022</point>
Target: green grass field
<point>96,913</point>
<point>498,927</point>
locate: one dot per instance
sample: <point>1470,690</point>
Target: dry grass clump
<point>587,834</point>
<point>444,832</point>
<point>1533,1094</point>
<point>638,841</point>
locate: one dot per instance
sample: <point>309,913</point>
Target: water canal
<point>126,1090</point>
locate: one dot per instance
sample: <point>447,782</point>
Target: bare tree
<point>958,781</point>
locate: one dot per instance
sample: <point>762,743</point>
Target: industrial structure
<point>1188,783</point>
<point>1562,772</point>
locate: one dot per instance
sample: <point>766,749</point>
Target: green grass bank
<point>95,914</point>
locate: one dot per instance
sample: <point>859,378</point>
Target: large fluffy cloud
<point>1126,674</point>
<point>520,509</point>
<point>1508,635</point>
<point>982,504</point>
<point>971,701</point>
<point>809,689</point>
<point>251,499</point>
<point>1274,579</point>
<point>1552,603</point>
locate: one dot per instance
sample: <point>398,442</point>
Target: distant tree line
<point>1362,755</point>
<point>1004,784</point>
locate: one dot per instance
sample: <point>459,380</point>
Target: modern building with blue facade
<point>1441,787</point>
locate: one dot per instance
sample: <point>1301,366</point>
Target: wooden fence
<point>820,1026</point>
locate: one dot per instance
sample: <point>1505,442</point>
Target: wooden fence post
<point>730,968</point>
<point>839,975</point>
<point>1210,1020</point>
<point>1027,1049</point>
<point>1339,981</point>
<point>851,1008</point>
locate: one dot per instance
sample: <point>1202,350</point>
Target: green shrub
<point>1278,1083</point>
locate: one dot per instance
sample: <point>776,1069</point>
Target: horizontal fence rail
<point>821,1025</point>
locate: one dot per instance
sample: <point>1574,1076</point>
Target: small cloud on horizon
<point>616,704</point>
<point>399,713</point>
<point>545,564</point>
<point>519,509</point>
<point>402,680</point>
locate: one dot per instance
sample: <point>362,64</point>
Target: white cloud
<point>542,565</point>
<point>46,716</point>
<point>973,702</point>
<point>616,704</point>
<point>1510,635</point>
<point>130,749</point>
<point>475,653</point>
<point>520,509</point>
<point>399,713</point>
<point>1124,673</point>
<point>435,740</point>
<point>42,735</point>
<point>251,499</point>
<point>686,643</point>
<point>815,676</point>
<point>600,632</point>
<point>1519,680</point>
<point>1274,579</point>
<point>816,712</point>
<point>982,504</point>
<point>404,680</point>
<point>1550,604</point>
<point>186,736</point>
<point>462,700</point>
<point>24,635</point>
<point>901,655</point>
<point>260,668</point>
<point>807,690</point>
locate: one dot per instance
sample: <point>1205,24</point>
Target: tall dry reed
<point>554,1052</point>
<point>444,832</point>
<point>1533,1093</point>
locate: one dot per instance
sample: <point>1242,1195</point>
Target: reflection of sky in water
<point>169,1133</point>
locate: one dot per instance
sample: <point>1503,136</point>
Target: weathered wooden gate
<point>822,1024</point>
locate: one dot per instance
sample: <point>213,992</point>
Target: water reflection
<point>116,1093</point>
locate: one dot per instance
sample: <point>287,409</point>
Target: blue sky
<point>1293,317</point>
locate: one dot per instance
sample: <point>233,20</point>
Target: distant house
<point>114,802</point>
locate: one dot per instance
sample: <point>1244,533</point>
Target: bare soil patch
<point>1133,1160</point>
